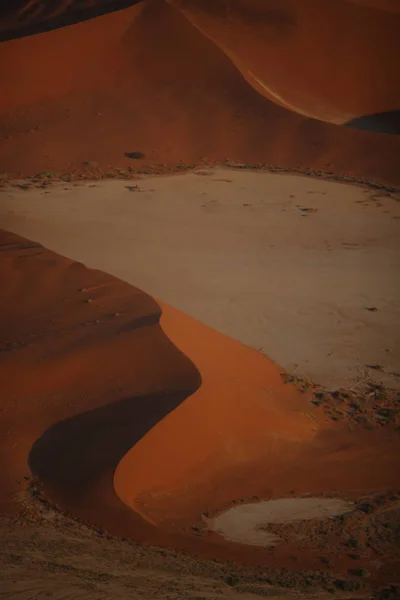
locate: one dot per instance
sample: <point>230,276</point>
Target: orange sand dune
<point>88,381</point>
<point>246,435</point>
<point>145,79</point>
<point>333,61</point>
<point>75,340</point>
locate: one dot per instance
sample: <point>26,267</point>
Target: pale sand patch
<point>238,251</point>
<point>246,523</point>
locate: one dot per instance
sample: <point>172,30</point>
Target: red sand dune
<point>99,378</point>
<point>141,427</point>
<point>243,432</point>
<point>75,341</point>
<point>333,61</point>
<point>144,79</point>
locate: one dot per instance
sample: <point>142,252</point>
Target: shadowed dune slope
<point>19,18</point>
<point>245,434</point>
<point>84,366</point>
<point>99,402</point>
<point>122,82</point>
<point>334,61</point>
<point>288,51</point>
<point>386,122</point>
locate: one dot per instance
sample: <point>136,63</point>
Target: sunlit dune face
<point>334,63</point>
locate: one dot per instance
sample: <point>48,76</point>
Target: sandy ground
<point>121,83</point>
<point>137,420</point>
<point>61,560</point>
<point>124,417</point>
<point>286,264</point>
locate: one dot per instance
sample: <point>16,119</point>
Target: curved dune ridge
<point>290,265</point>
<point>98,372</point>
<point>112,417</point>
<point>333,62</point>
<point>289,52</point>
<point>245,432</point>
<point>120,83</point>
<point>128,414</point>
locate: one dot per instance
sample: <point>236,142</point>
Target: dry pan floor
<point>304,270</point>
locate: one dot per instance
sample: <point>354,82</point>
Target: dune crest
<point>85,343</point>
<point>125,420</point>
<point>334,62</point>
<point>242,434</point>
<point>111,91</point>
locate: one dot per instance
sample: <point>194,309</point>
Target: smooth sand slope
<point>90,418</point>
<point>68,355</point>
<point>286,264</point>
<point>145,79</point>
<point>133,417</point>
<point>333,61</point>
<point>254,33</point>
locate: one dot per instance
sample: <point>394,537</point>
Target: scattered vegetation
<point>46,175</point>
<point>369,405</point>
<point>184,167</point>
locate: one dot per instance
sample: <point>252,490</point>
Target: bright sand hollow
<point>248,523</point>
<point>122,83</point>
<point>244,253</point>
<point>101,376</point>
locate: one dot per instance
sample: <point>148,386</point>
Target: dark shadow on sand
<point>77,456</point>
<point>386,122</point>
<point>75,459</point>
<point>75,452</point>
<point>43,24</point>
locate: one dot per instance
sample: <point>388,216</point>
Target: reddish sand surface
<point>245,431</point>
<point>144,79</point>
<point>333,61</point>
<point>102,375</point>
<point>75,356</point>
<point>122,412</point>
